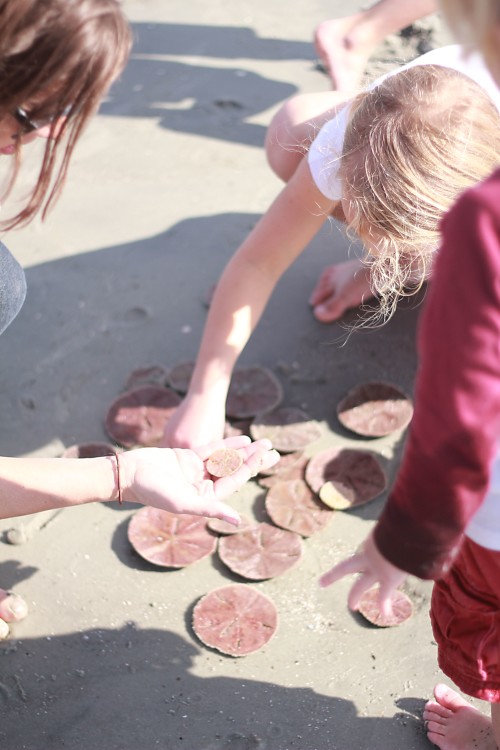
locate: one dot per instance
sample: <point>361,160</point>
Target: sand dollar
<point>139,417</point>
<point>236,620</point>
<point>223,462</point>
<point>253,390</point>
<point>289,429</point>
<point>375,409</point>
<point>293,506</point>
<point>402,608</point>
<point>264,551</point>
<point>180,375</point>
<point>356,474</point>
<point>170,540</point>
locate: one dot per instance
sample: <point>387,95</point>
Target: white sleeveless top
<point>484,528</point>
<point>326,150</point>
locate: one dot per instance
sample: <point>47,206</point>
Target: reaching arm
<point>240,298</point>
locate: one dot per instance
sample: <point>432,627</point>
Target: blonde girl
<point>388,163</point>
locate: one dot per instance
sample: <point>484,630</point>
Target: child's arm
<point>240,298</point>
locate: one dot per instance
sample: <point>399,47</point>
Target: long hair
<point>57,57</point>
<point>411,146</point>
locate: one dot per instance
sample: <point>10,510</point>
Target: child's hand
<point>196,421</point>
<point>177,479</point>
<point>373,569</point>
<point>339,288</point>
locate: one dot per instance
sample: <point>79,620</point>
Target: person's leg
<point>453,724</point>
<point>289,136</point>
<point>295,126</point>
<point>345,44</point>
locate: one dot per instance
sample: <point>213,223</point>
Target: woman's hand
<point>177,479</point>
<point>373,568</point>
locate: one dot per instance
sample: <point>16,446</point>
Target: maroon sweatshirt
<point>453,435</point>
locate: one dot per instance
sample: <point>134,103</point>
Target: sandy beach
<point>167,181</point>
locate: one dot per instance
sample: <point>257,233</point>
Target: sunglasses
<point>29,125</point>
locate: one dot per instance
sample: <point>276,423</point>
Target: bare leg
<point>453,724</point>
<point>295,126</point>
<point>288,138</point>
<point>345,44</point>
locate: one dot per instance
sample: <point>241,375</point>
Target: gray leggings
<point>12,287</point>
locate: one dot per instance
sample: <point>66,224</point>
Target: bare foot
<point>453,724</point>
<point>342,52</point>
<point>339,288</point>
<point>13,608</point>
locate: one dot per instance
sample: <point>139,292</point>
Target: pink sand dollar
<point>236,620</point>
<point>375,409</point>
<point>139,417</point>
<point>289,429</point>
<point>288,470</point>
<point>253,390</point>
<point>402,608</point>
<point>293,506</point>
<point>356,474</point>
<point>264,551</point>
<point>153,375</point>
<point>224,528</point>
<point>179,376</point>
<point>223,462</point>
<point>170,540</point>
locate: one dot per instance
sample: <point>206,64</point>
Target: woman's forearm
<point>30,485</point>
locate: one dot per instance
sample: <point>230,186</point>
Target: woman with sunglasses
<point>57,60</point>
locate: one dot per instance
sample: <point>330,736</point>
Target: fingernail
<point>232,519</point>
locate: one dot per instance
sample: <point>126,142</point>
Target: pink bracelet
<point>118,479</point>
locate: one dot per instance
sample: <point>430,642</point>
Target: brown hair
<point>412,145</point>
<point>57,56</point>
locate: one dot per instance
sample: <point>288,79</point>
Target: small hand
<point>373,569</point>
<point>196,421</point>
<point>178,481</point>
<point>339,288</point>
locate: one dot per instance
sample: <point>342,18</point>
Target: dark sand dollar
<point>170,540</point>
<point>224,528</point>
<point>253,390</point>
<point>179,376</point>
<point>356,474</point>
<point>375,409</point>
<point>236,428</point>
<point>90,450</point>
<point>295,470</point>
<point>236,620</point>
<point>293,506</point>
<point>286,462</point>
<point>402,608</point>
<point>289,429</point>
<point>139,417</point>
<point>264,551</point>
<point>224,462</point>
<point>154,375</point>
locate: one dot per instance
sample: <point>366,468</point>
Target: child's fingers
<point>345,568</point>
<point>363,584</point>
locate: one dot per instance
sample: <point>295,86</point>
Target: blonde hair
<point>412,145</point>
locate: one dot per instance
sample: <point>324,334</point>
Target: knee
<point>282,145</point>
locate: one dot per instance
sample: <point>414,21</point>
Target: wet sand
<point>167,181</point>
